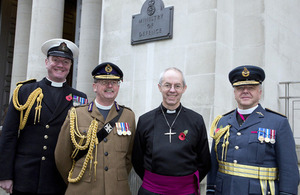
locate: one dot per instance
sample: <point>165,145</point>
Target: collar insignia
<point>90,108</point>
<point>260,113</point>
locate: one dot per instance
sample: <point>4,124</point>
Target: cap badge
<point>108,68</point>
<point>245,72</point>
<point>63,47</point>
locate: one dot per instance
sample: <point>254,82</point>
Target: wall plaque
<point>155,22</point>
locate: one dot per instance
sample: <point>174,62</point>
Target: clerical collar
<point>54,84</point>
<point>171,111</point>
<point>247,111</point>
<point>102,107</point>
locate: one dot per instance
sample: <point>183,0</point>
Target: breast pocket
<point>256,150</point>
<point>122,143</point>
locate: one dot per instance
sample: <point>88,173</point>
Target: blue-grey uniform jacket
<point>28,159</point>
<point>245,149</point>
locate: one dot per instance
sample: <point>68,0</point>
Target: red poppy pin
<point>183,134</point>
<point>218,128</point>
<point>69,97</point>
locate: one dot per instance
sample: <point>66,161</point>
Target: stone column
<point>20,58</point>
<point>46,23</point>
<point>89,44</point>
<point>240,41</point>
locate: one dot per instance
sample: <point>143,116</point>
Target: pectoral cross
<point>170,134</point>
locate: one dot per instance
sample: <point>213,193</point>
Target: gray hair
<point>161,77</point>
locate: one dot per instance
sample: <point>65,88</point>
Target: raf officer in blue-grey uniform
<point>34,118</point>
<point>253,150</point>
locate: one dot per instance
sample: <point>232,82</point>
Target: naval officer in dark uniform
<point>253,150</point>
<point>35,116</point>
<point>170,152</point>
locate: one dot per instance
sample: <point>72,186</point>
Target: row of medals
<point>123,129</point>
<point>266,135</point>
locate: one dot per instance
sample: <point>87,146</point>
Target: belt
<point>175,185</point>
<point>264,174</point>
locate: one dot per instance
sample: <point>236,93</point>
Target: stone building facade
<point>210,37</point>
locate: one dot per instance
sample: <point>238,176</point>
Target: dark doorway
<point>70,27</point>
<point>8,12</point>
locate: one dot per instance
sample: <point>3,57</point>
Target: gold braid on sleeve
<point>37,95</point>
<point>216,135</point>
<point>87,141</point>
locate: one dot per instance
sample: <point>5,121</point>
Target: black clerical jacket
<point>184,153</point>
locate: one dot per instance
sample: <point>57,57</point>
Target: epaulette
<point>125,107</point>
<point>25,82</point>
<point>269,110</point>
<point>118,106</point>
<point>228,112</point>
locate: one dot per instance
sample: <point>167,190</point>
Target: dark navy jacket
<point>28,160</point>
<point>245,148</point>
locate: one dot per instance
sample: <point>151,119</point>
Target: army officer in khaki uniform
<point>93,153</point>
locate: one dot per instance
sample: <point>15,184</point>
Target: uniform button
<point>43,158</point>
<point>236,147</point>
<point>105,153</point>
<point>45,147</point>
<point>106,168</point>
<point>239,133</point>
<point>45,136</point>
<point>234,161</point>
<point>269,192</point>
<point>105,139</point>
<point>47,126</point>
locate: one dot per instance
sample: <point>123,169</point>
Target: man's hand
<point>7,185</point>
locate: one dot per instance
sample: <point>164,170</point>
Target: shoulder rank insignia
<point>228,112</point>
<point>27,81</point>
<point>269,110</point>
<point>118,106</point>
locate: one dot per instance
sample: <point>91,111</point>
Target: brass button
<point>236,147</point>
<point>43,158</point>
<point>47,126</point>
<point>45,136</point>
<point>45,147</point>
<point>239,133</point>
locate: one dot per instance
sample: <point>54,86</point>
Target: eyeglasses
<point>168,86</point>
<point>106,82</point>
